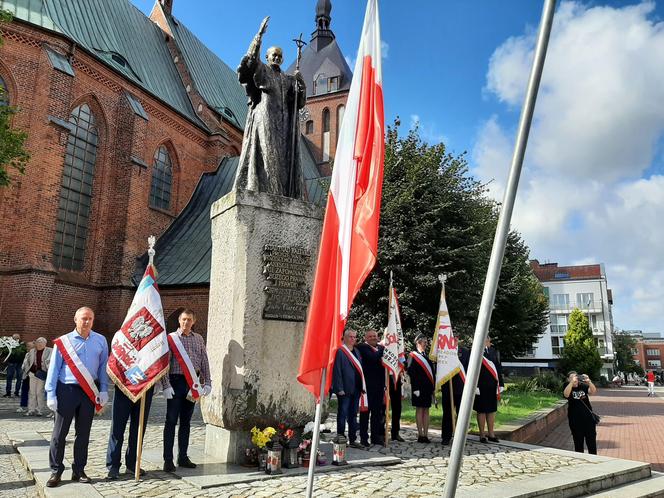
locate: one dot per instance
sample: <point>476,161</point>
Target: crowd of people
<point>360,384</point>
<point>60,378</point>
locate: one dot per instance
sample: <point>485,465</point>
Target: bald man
<point>76,385</point>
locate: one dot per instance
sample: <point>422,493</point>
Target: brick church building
<point>134,128</point>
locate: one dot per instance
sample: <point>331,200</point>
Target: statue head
<point>274,56</point>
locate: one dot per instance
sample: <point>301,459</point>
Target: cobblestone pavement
<point>422,472</point>
<point>631,426</point>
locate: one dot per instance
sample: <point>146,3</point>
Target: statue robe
<point>267,148</point>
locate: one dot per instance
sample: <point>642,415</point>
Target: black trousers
<point>375,415</point>
<point>73,404</point>
<point>125,411</point>
<point>587,434</point>
<point>446,429</point>
<point>395,406</point>
<point>178,408</point>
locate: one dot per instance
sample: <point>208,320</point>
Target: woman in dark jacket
<point>422,380</point>
<point>489,387</point>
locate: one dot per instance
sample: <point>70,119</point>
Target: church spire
<point>323,35</point>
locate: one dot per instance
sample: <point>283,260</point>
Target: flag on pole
<point>394,355</point>
<point>139,350</point>
<point>445,347</point>
<point>349,241</point>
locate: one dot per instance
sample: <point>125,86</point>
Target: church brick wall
<point>37,299</point>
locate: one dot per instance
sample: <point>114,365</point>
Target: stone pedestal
<point>264,249</point>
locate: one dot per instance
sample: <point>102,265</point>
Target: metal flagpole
<point>315,436</point>
<point>498,251</point>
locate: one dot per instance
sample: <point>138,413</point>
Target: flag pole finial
<point>442,278</point>
<point>151,252</point>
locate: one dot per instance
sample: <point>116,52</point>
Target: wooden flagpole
<point>454,415</point>
<point>387,375</point>
<point>139,444</point>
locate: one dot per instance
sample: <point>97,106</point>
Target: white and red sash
<point>80,371</point>
<point>181,355</point>
<point>422,361</point>
<point>364,400</point>
<point>491,367</point>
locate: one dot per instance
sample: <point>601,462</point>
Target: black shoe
<point>8,395</point>
<point>446,441</point>
<point>358,446</point>
<point>81,477</point>
<point>113,475</point>
<point>379,442</point>
<point>398,438</point>
<point>132,472</point>
<point>493,439</point>
<point>483,440</point>
<point>186,463</point>
<point>168,466</point>
<point>54,480</point>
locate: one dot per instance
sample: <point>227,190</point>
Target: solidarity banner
<point>393,354</point>
<point>139,350</point>
<point>444,347</point>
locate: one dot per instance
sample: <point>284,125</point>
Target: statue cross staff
<point>291,176</point>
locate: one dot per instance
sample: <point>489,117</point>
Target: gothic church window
<point>71,231</point>
<point>309,127</point>
<point>340,118</point>
<point>4,96</point>
<point>326,134</point>
<point>162,179</point>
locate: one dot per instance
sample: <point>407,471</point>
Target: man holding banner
<point>187,381</point>
<point>139,358</point>
<point>394,359</point>
<point>76,387</point>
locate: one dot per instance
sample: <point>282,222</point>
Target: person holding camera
<point>580,414</point>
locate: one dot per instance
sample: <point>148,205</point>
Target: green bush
<point>546,382</point>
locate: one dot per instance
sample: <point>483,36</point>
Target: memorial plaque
<point>286,270</point>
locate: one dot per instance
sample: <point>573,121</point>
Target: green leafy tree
<point>622,348</point>
<point>12,152</point>
<point>580,352</point>
<point>435,219</point>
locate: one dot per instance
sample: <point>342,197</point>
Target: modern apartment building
<point>567,287</point>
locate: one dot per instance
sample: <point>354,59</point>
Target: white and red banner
<point>445,347</point>
<point>80,371</point>
<point>182,357</point>
<point>394,354</point>
<point>139,350</point>
<point>349,241</point>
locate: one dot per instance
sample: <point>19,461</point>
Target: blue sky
<point>592,189</point>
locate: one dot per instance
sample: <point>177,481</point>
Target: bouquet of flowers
<point>7,345</point>
<point>262,438</point>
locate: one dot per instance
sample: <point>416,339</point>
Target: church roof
<point>184,250</point>
<point>123,38</point>
<point>322,54</point>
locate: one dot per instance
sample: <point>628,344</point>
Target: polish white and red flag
<point>139,350</point>
<point>445,347</point>
<point>349,242</point>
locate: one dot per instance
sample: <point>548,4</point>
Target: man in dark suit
<point>374,376</point>
<point>347,385</point>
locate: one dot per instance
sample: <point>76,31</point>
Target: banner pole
<point>316,435</point>
<point>387,407</point>
<point>454,414</point>
<point>139,444</point>
<point>498,251</point>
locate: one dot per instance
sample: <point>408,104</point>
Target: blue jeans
<point>14,371</point>
<point>124,410</point>
<point>347,412</point>
<point>178,408</point>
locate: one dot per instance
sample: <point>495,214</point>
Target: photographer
<point>580,415</point>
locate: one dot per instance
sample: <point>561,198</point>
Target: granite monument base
<point>264,249</point>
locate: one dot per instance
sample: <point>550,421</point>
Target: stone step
<point>645,488</point>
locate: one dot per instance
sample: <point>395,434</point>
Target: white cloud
<point>598,119</point>
<point>429,132</point>
<point>384,49</point>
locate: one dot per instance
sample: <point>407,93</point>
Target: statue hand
<point>263,27</point>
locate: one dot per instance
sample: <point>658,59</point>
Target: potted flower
<point>290,444</point>
<point>260,439</point>
<point>304,448</point>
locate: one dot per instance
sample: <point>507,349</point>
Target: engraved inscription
<point>286,270</point>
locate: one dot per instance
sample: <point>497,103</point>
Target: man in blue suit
<point>347,385</point>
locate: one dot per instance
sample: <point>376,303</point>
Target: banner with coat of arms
<point>139,350</point>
